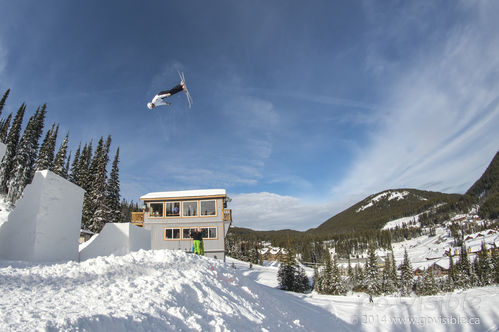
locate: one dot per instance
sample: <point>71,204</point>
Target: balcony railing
<point>138,218</point>
<point>227,215</point>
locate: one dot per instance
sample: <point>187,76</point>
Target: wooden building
<point>172,215</point>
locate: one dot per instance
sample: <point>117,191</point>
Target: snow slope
<point>390,195</point>
<point>470,310</point>
<point>148,291</point>
<point>173,291</point>
<point>402,221</point>
<point>45,223</point>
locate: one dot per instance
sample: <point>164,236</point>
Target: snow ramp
<point>153,290</point>
<point>45,223</point>
<point>116,239</point>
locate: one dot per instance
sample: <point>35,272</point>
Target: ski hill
<point>173,291</point>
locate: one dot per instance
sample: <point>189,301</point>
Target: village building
<point>171,216</point>
<point>270,253</point>
<point>85,235</point>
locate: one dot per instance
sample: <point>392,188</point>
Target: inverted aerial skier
<point>159,99</point>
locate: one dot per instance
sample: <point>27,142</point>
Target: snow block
<point>3,148</point>
<point>45,223</point>
<point>116,239</point>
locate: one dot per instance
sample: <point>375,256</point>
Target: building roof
<point>184,193</point>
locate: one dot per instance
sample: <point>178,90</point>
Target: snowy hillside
<point>373,212</point>
<point>172,290</point>
<point>147,291</point>
<point>389,195</point>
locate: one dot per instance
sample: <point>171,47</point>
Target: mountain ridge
<point>373,212</point>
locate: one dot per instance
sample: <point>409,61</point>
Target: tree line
<point>391,278</point>
<point>87,168</point>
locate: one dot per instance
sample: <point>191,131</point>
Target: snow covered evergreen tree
<point>406,276</point>
<point>301,282</point>
<point>495,264</point>
<point>372,277</point>
<point>484,267</point>
<point>285,276</point>
<point>66,167</point>
<point>113,191</point>
<point>315,287</point>
<point>84,177</point>
<point>326,280</point>
<point>393,271</point>
<point>291,276</point>
<point>97,203</point>
<point>451,276</point>
<point>359,284</point>
<point>463,269</point>
<point>338,287</point>
<point>4,128</point>
<point>46,156</point>
<point>350,275</point>
<point>25,158</point>
<point>3,100</point>
<point>428,284</point>
<point>389,282</point>
<point>12,144</point>
<point>59,165</point>
<point>85,181</point>
<point>73,171</point>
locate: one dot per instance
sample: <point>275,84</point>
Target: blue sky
<point>300,108</point>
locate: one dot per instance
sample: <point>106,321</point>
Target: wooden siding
<point>138,218</point>
<point>227,215</point>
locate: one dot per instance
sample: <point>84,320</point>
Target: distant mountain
<point>486,190</point>
<point>376,210</point>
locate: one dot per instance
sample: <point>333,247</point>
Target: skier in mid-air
<point>159,99</point>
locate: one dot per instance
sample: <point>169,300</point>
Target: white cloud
<point>3,59</point>
<point>269,211</point>
<point>437,129</point>
<point>442,130</point>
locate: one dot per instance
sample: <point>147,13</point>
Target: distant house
<point>272,253</point>
<point>85,235</point>
<point>263,253</point>
<point>434,255</point>
<point>440,267</point>
<point>172,215</point>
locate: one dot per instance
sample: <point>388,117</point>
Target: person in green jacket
<point>197,239</point>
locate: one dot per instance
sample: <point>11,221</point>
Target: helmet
<point>150,106</point>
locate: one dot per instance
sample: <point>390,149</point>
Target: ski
<point>182,79</point>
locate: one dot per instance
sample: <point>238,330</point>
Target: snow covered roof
<point>274,251</point>
<point>443,263</point>
<point>184,193</point>
<point>263,251</point>
<point>398,195</point>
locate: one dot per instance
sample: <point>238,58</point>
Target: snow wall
<point>45,223</point>
<point>3,148</point>
<point>117,239</point>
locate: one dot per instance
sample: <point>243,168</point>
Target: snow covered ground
<point>402,221</point>
<point>171,290</point>
<point>390,195</point>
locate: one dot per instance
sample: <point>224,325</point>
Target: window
<point>209,232</point>
<point>208,208</point>
<point>155,209</point>
<point>172,209</point>
<point>190,209</point>
<point>186,233</point>
<point>172,233</point>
